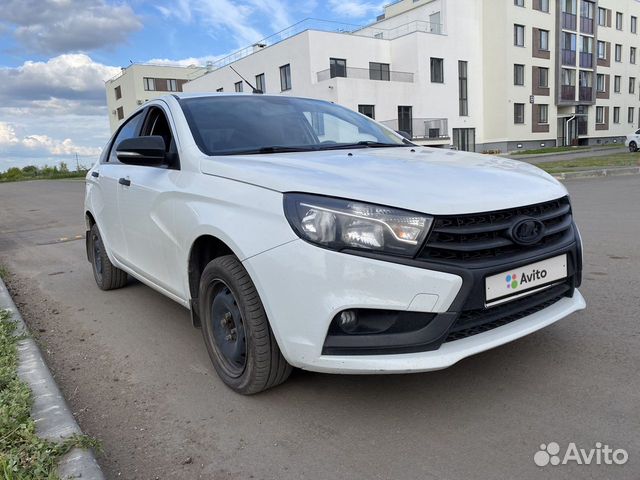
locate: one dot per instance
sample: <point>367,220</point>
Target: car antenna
<point>255,90</point>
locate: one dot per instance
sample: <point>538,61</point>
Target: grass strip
<point>592,163</point>
<point>24,455</point>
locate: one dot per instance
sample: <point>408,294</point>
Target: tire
<point>633,147</point>
<point>106,275</point>
<point>236,331</point>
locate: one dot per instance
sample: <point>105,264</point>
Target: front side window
<point>128,130</point>
<point>285,77</point>
<point>437,70</point>
<point>233,125</point>
<point>379,71</point>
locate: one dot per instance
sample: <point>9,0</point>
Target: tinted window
<point>128,130</point>
<point>232,125</point>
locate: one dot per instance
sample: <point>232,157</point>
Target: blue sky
<point>56,54</point>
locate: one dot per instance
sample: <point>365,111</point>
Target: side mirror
<point>404,134</point>
<point>149,151</point>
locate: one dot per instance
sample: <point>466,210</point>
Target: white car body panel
<point>149,229</point>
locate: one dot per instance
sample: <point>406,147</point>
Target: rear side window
<point>128,130</point>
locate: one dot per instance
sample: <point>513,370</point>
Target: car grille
<point>471,240</point>
<point>472,322</point>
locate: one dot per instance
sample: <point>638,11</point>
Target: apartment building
<point>139,83</point>
<point>479,75</point>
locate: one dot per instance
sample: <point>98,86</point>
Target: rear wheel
<point>633,147</point>
<point>236,330</point>
<point>107,276</point>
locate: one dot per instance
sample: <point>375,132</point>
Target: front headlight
<point>343,224</point>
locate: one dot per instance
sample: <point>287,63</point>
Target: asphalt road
<point>138,377</point>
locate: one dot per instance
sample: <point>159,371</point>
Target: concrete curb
<point>602,172</point>
<point>52,416</point>
<point>533,156</point>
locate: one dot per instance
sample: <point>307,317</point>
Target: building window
<point>463,107</point>
<point>543,114</point>
<point>630,114</point>
<point>405,119</point>
<point>544,39</point>
<point>379,71</point>
<point>285,77</point>
<point>600,84</point>
<point>618,53</point>
<point>368,110</point>
<point>543,77</point>
<point>634,24</point>
<point>120,113</point>
<point>632,54</point>
<point>602,16</point>
<point>518,3</point>
<point>570,7</point>
<point>149,84</point>
<point>260,84</point>
<point>617,80</point>
<point>437,70</point>
<point>616,114</point>
<point>238,86</point>
<point>600,115</point>
<point>602,50</point>
<point>544,6</point>
<point>172,85</point>
<point>518,74</point>
<point>632,85</point>
<point>518,113</point>
<point>118,92</point>
<point>220,90</point>
<point>619,20</point>
<point>337,67</point>
<point>518,35</point>
<point>464,139</point>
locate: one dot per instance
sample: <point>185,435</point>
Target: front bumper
<point>303,287</point>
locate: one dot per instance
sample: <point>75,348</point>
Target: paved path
<point>137,374</point>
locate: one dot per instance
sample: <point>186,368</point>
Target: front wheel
<point>236,330</point>
<point>107,276</point>
<point>633,147</point>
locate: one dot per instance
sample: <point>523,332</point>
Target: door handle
<point>95,174</point>
<point>124,181</point>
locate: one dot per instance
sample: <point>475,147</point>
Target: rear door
<point>146,206</point>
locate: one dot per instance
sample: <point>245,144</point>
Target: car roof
<point>183,95</point>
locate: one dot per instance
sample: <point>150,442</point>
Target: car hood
<point>427,180</point>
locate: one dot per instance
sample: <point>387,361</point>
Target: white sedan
<point>302,234</point>
<point>633,141</point>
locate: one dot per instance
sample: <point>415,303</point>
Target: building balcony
<point>569,21</point>
<point>366,74</point>
<point>568,93</point>
<point>586,60</point>
<point>586,94</point>
<point>430,129</point>
<point>569,57</point>
<point>586,25</point>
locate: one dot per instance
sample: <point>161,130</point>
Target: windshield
<point>233,125</point>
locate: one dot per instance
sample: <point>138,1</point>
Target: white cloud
<point>12,144</point>
<point>240,19</point>
<point>356,8</point>
<point>56,26</point>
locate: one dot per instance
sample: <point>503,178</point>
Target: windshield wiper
<point>362,144</point>
<point>270,149</point>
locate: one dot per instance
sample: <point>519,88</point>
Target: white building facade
<point>480,75</point>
